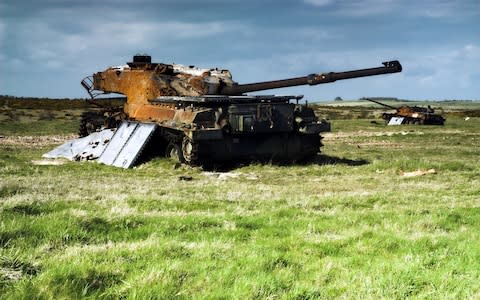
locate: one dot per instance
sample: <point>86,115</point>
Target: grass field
<point>347,225</point>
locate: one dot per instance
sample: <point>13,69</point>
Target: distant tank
<point>411,114</point>
<point>203,116</point>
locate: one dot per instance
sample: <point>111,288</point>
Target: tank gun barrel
<point>382,104</point>
<point>312,79</point>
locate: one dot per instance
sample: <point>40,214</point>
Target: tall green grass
<point>346,225</point>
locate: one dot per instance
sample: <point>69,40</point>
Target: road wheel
<point>189,151</point>
<point>174,152</point>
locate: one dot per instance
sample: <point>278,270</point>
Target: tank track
<point>190,151</point>
<point>90,121</point>
<point>179,147</point>
<point>93,120</point>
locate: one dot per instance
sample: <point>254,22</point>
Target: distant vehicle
<point>411,115</point>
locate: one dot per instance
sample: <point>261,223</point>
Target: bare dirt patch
<point>383,144</point>
<point>49,162</point>
<point>30,141</point>
<point>341,135</point>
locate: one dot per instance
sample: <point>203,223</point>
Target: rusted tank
<point>203,116</point>
<point>411,114</point>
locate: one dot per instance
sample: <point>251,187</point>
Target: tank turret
<point>158,79</point>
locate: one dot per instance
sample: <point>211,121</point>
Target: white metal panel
<point>127,144</point>
<point>89,147</point>
<point>396,121</point>
<point>119,139</point>
<point>134,146</point>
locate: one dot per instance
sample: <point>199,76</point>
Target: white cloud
<point>427,8</point>
<point>469,52</point>
<point>443,8</point>
<point>368,7</point>
<point>54,47</point>
<point>18,63</point>
<point>312,33</point>
<point>451,71</point>
<point>125,26</point>
<point>440,73</point>
<point>146,32</point>
<point>80,40</point>
<point>319,2</point>
<point>357,8</point>
<point>297,64</point>
<point>3,30</point>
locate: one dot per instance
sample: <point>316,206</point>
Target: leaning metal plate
<point>117,142</point>
<point>395,121</point>
<point>134,146</point>
<point>127,144</point>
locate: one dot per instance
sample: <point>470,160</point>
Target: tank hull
<point>211,130</point>
<point>260,128</point>
<point>277,147</point>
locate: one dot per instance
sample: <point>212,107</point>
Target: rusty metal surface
<point>150,113</point>
<point>411,115</point>
<point>143,81</point>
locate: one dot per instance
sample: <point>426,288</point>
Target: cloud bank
<point>47,48</point>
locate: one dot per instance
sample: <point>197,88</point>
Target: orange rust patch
<point>151,113</point>
<point>184,116</point>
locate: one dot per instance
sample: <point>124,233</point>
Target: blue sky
<point>47,47</point>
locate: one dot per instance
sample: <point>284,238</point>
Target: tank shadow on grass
<point>319,159</point>
<point>332,160</point>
